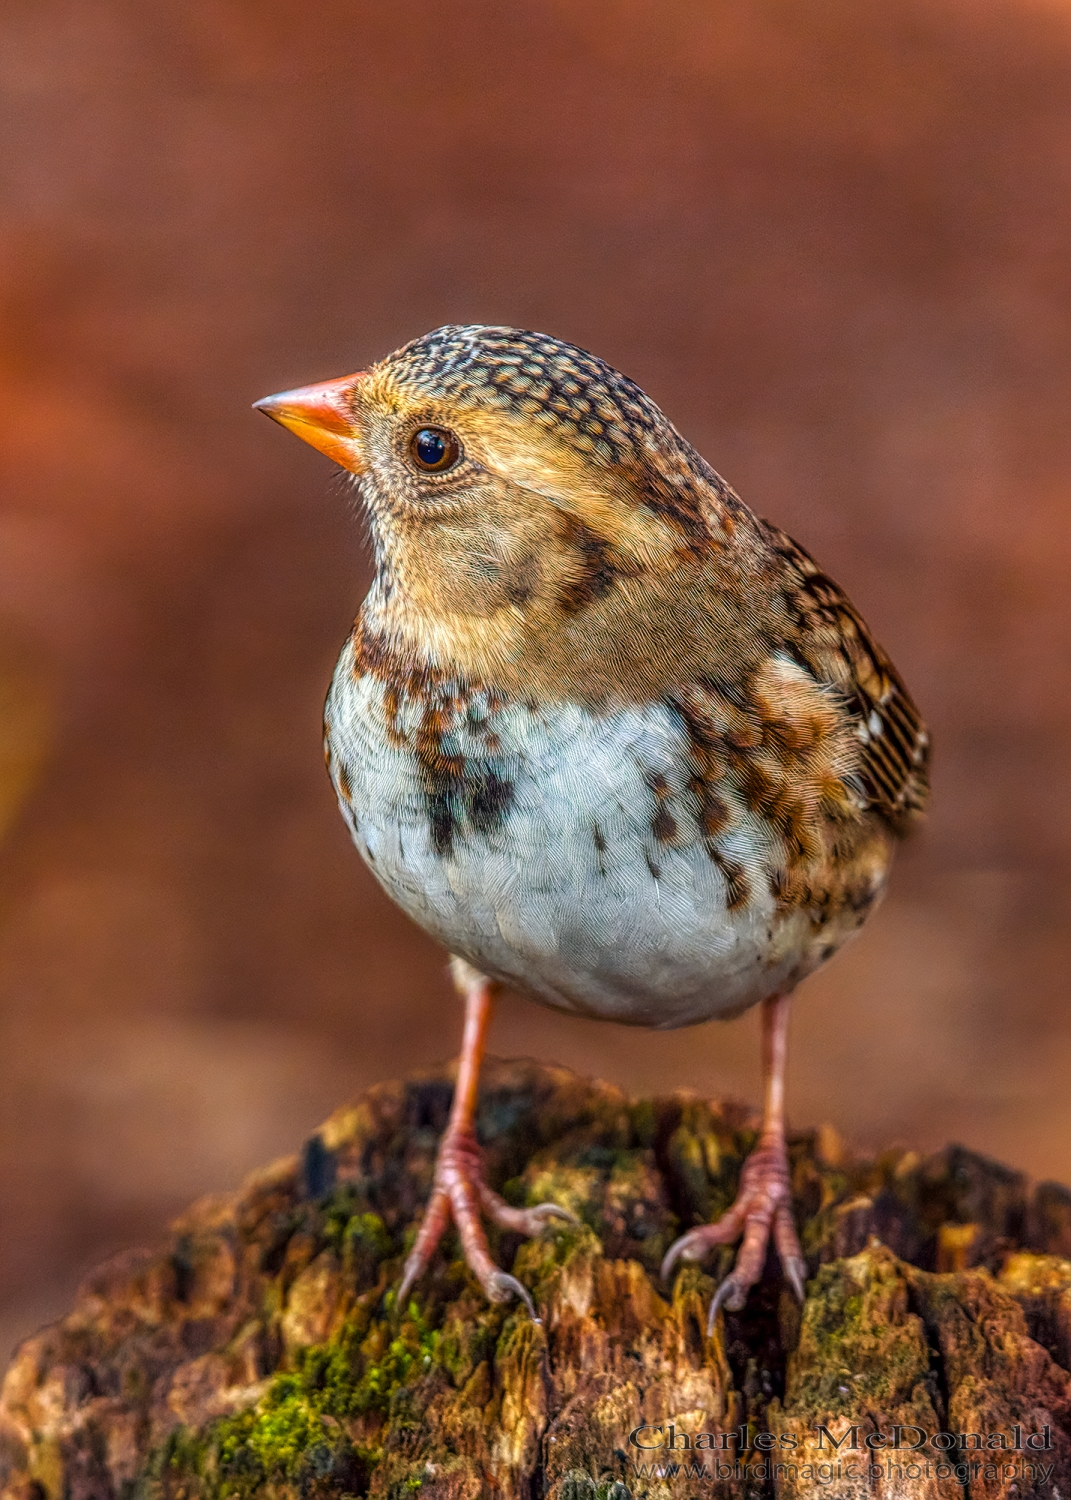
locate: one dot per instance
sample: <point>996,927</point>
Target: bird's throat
<point>589,628</point>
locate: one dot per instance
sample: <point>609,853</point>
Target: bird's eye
<point>434,449</point>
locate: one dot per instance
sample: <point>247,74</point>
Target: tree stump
<point>259,1352</point>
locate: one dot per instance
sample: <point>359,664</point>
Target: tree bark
<point>258,1352</point>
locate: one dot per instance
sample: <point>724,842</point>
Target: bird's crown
<point>554,383</point>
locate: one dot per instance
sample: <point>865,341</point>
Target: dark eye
<point>434,449</point>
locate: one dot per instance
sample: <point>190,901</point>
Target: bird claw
<point>507,1286</point>
<point>732,1292</point>
<point>527,1221</point>
<point>543,1212</point>
<point>555,1211</point>
<point>763,1208</point>
<point>692,1246</point>
<point>459,1193</point>
<point>796,1274</point>
<point>408,1281</point>
<point>730,1295</point>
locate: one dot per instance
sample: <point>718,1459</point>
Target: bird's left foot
<point>763,1207</point>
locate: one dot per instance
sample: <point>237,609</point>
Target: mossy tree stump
<point>259,1352</point>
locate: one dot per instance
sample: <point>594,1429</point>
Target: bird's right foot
<point>459,1192</point>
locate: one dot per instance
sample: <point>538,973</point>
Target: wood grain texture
<point>255,1352</point>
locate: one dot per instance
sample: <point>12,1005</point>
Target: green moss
<point>644,1119</point>
<point>684,1151</point>
<point>295,1439</point>
<point>543,1264</point>
<point>338,1210</point>
<point>579,1189</point>
<point>175,1470</point>
<point>270,1442</point>
<point>857,1342</point>
<point>468,1339</point>
<point>364,1242</point>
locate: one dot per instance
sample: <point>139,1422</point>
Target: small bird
<point>612,739</point>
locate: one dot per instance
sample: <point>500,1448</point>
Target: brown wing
<point>835,645</point>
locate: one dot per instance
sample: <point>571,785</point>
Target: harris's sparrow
<point>612,739</point>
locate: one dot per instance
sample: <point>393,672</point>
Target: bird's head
<point>514,484</point>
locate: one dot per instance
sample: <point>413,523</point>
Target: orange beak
<point>322,415</point>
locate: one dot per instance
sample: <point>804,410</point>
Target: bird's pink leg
<point>459,1190</point>
<point>763,1203</point>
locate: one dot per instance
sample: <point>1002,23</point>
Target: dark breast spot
<point>459,792</point>
<point>458,789</point>
<point>439,805</point>
<point>712,809</point>
<point>664,825</point>
<point>490,798</point>
<point>737,888</point>
<point>599,840</point>
<point>861,896</point>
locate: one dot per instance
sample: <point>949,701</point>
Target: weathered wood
<point>258,1352</point>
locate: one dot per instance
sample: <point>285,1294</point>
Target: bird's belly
<point>560,851</point>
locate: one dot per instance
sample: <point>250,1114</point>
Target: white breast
<point>567,893</point>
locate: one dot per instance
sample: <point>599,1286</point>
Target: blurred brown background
<point>832,241</point>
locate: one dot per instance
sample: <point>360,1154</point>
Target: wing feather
<point>834,643</point>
